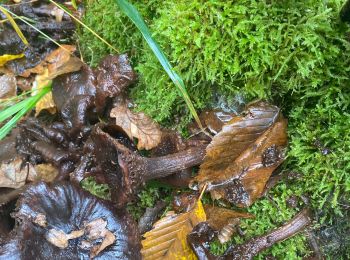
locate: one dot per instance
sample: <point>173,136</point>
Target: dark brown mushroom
<point>126,171</point>
<point>202,234</point>
<point>45,212</point>
<point>82,96</point>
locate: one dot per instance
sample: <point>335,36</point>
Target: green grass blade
<point>136,18</point>
<point>11,110</point>
<point>29,104</point>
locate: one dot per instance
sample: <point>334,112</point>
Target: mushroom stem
<point>166,165</point>
<point>251,248</point>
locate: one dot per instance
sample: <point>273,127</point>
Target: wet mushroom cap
<point>65,207</point>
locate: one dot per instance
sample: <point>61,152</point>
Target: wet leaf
<point>108,240</point>
<point>13,175</point>
<point>43,172</point>
<point>137,125</point>
<point>218,217</point>
<point>224,221</point>
<point>60,239</point>
<point>8,86</point>
<point>96,229</point>
<point>241,158</point>
<point>61,61</point>
<point>46,103</point>
<point>168,238</point>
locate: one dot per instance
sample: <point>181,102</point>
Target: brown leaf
<point>60,61</point>
<point>137,125</point>
<point>241,158</point>
<point>96,229</point>
<point>43,172</point>
<point>8,86</point>
<point>13,174</point>
<point>108,240</point>
<point>168,238</point>
<point>219,217</point>
<point>60,239</point>
<point>224,221</point>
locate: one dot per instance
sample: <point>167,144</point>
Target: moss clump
<point>104,17</point>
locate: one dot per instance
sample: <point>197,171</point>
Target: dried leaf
<point>137,125</point>
<point>13,175</point>
<point>60,239</point>
<point>168,238</point>
<point>96,229</point>
<point>241,158</point>
<point>8,57</point>
<point>43,172</point>
<point>8,86</point>
<point>107,241</point>
<point>40,219</point>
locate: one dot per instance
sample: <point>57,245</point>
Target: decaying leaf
<point>13,174</point>
<point>224,221</point>
<point>45,103</point>
<point>60,239</point>
<point>8,86</point>
<point>108,240</point>
<point>60,61</point>
<point>168,238</point>
<point>241,158</point>
<point>137,125</point>
<point>43,172</point>
<point>96,229</point>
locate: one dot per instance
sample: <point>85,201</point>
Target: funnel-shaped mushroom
<point>64,222</point>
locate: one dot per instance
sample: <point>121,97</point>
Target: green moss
<point>99,190</point>
<point>104,17</point>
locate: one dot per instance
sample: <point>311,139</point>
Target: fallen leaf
<point>8,57</point>
<point>40,219</point>
<point>13,175</point>
<point>241,158</point>
<point>137,125</point>
<point>61,61</point>
<point>46,102</point>
<point>107,241</point>
<point>43,172</point>
<point>168,238</point>
<point>218,217</point>
<point>224,221</point>
<point>60,239</point>
<point>58,62</point>
<point>8,86</point>
<point>94,230</point>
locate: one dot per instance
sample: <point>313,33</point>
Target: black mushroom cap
<point>68,208</point>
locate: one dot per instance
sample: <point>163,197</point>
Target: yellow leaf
<point>14,25</point>
<point>168,238</point>
<point>41,80</point>
<point>8,57</point>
